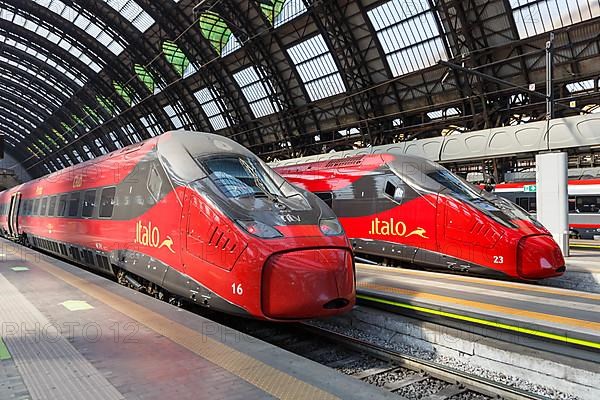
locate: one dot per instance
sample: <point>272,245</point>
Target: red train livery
<point>193,216</point>
<point>409,209</point>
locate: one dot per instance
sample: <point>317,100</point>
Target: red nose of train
<point>539,257</point>
<point>308,283</point>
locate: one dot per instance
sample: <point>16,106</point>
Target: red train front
<point>396,207</point>
<point>192,216</point>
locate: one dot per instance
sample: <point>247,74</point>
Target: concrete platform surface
<point>565,316</point>
<point>69,334</point>
<point>583,272</point>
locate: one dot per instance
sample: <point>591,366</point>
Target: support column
<point>552,196</point>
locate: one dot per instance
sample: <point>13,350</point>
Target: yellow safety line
<point>482,281</point>
<point>271,380</point>
<point>480,321</point>
<point>482,306</point>
<point>585,246</point>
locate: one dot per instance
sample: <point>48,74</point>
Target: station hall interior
<point>300,199</point>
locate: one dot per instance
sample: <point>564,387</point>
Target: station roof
<point>285,78</point>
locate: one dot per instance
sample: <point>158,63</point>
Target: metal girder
<point>483,30</point>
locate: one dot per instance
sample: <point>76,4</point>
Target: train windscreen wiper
<point>258,181</point>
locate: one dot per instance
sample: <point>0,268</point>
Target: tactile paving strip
<point>51,368</point>
<point>271,380</point>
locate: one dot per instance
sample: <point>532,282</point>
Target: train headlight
<point>259,229</point>
<point>330,227</point>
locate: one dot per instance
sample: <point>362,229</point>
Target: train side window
<point>89,202</point>
<point>327,197</point>
<point>74,204</point>
<point>154,183</point>
<point>393,191</point>
<point>587,204</point>
<point>52,206</point>
<point>36,205</point>
<point>572,205</point>
<point>44,205</point>
<point>107,202</point>
<point>62,206</point>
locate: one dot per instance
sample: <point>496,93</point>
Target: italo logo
<point>148,235</point>
<point>394,228</point>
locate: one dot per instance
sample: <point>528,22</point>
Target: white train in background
<point>584,204</point>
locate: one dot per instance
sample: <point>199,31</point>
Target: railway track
<point>409,377</point>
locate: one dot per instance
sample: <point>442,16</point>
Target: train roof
<point>345,157</point>
<point>173,147</point>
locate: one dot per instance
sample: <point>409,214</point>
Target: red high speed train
<point>404,208</point>
<point>193,216</point>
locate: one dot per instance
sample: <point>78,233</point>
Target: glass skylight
<point>20,107</point>
<point>145,76</point>
<point>281,11</point>
<point>36,72</point>
<point>115,139</point>
<point>92,28</point>
<point>68,44</point>
<point>258,91</point>
<point>15,124</point>
<point>317,68</point>
<point>170,111</point>
<point>133,13</point>
<point>100,145</point>
<point>448,112</point>
<point>32,85</point>
<point>215,29</point>
<point>77,155</point>
<point>124,92</point>
<point>538,16</point>
<point>133,133</point>
<point>176,57</point>
<point>212,107</point>
<point>409,35</point>
<point>581,86</point>
<point>151,124</point>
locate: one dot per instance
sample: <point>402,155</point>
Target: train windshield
<point>501,210</point>
<point>454,184</point>
<point>243,177</point>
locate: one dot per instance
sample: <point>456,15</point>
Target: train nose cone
<point>308,283</point>
<point>539,257</point>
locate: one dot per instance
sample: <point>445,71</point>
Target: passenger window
<point>587,204</point>
<point>74,204</point>
<point>44,204</point>
<point>36,206</point>
<point>390,188</point>
<point>89,202</point>
<point>52,206</point>
<point>327,197</point>
<point>393,191</point>
<point>62,206</point>
<point>154,183</point>
<point>107,202</point>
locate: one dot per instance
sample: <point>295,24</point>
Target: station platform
<point>553,315</point>
<point>70,334</point>
<point>583,271</point>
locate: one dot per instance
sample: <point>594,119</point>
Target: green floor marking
<point>76,305</point>
<point>4,353</point>
<point>20,269</point>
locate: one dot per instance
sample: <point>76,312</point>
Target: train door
<point>191,240</point>
<point>208,235</point>
<point>15,202</point>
